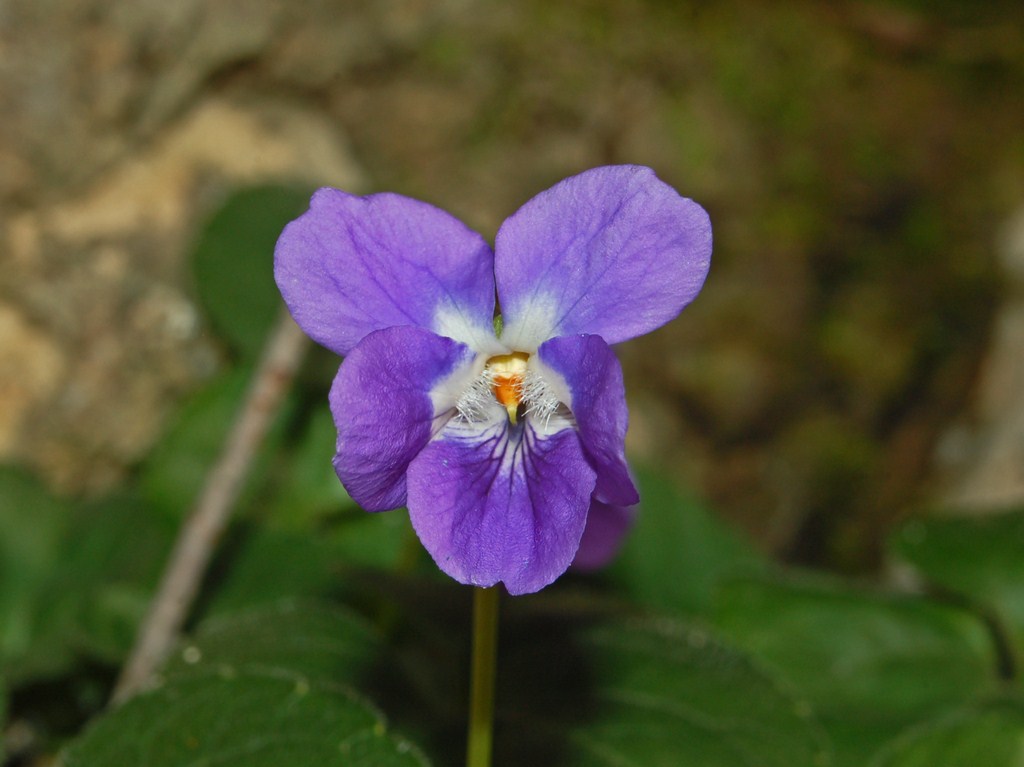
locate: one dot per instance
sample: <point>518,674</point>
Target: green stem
<point>481,698</point>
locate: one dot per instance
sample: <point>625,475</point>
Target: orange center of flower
<point>506,372</point>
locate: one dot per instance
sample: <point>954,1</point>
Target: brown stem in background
<point>199,535</point>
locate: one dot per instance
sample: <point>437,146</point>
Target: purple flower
<point>502,443</point>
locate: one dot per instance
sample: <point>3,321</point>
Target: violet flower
<point>501,436</point>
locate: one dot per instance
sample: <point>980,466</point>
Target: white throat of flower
<point>514,383</point>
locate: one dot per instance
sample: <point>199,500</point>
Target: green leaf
<point>99,587</point>
<point>32,524</point>
<point>113,558</point>
<point>362,539</point>
<point>979,557</point>
<point>233,263</point>
<point>258,566</point>
<point>309,489</point>
<point>174,474</point>
<point>870,664</point>
<point>582,683</point>
<point>315,639</point>
<point>296,528</point>
<point>249,719</point>
<point>308,498</point>
<point>262,564</point>
<point>257,689</point>
<point>658,693</point>
<point>989,734</point>
<point>3,715</point>
<point>678,551</point>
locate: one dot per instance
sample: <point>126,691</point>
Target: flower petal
<point>388,399</point>
<point>499,504</point>
<point>351,265</point>
<point>585,374</point>
<point>612,251</point>
<point>606,528</point>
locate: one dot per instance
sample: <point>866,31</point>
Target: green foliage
<point>664,693</point>
<point>3,713</point>
<point>260,688</point>
<point>308,489</point>
<point>100,586</point>
<point>261,564</point>
<point>250,719</point>
<point>989,733</point>
<point>308,639</point>
<point>233,263</point>
<point>31,528</point>
<point>812,672</point>
<point>173,475</point>
<point>256,684</point>
<point>870,664</point>
<point>76,578</point>
<point>678,552</point>
<point>980,559</point>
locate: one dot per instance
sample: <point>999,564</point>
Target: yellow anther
<point>507,372</point>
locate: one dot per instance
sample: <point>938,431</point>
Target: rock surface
<point>983,455</point>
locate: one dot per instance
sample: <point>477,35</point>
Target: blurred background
<point>854,355</point>
<point>850,375</point>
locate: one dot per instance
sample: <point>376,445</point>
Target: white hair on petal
<point>477,399</point>
<point>539,398</point>
<point>447,392</point>
<point>539,391</point>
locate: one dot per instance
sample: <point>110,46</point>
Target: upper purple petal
<point>493,504</point>
<point>606,528</point>
<point>387,400</point>
<point>613,251</point>
<point>351,265</point>
<point>587,377</point>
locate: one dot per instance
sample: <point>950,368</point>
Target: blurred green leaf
<point>979,557</point>
<point>173,476</point>
<point>98,588</point>
<point>258,566</point>
<point>233,263</point>
<point>315,639</point>
<point>870,664</point>
<point>308,490</point>
<point>362,539</point>
<point>656,693</point>
<point>308,498</point>
<point>115,553</point>
<point>678,551</point>
<point>254,689</point>
<point>174,473</point>
<point>32,526</point>
<point>262,563</point>
<point>989,734</point>
<point>296,528</point>
<point>3,714</point>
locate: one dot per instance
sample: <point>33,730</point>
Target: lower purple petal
<point>606,529</point>
<point>587,369</point>
<point>385,400</point>
<point>498,504</point>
